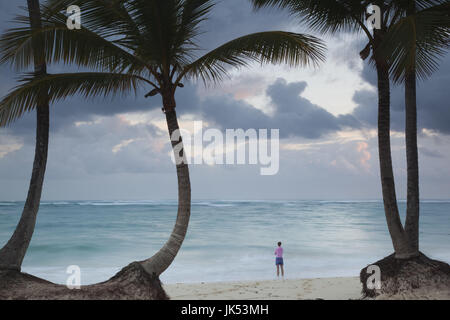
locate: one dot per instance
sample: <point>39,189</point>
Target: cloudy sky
<point>118,148</point>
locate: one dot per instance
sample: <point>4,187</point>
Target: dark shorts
<point>278,261</point>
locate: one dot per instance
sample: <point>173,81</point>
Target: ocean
<point>226,240</point>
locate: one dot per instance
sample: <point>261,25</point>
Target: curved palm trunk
<point>395,227</point>
<point>13,253</point>
<point>158,263</point>
<point>412,159</point>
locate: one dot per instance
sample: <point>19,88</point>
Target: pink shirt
<point>279,252</point>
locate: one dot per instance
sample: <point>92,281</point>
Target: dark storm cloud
<point>293,115</point>
<point>434,100</point>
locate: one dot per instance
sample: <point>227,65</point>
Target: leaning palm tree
<point>133,43</point>
<point>390,57</point>
<point>13,253</point>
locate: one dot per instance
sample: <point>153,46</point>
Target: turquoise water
<point>227,240</point>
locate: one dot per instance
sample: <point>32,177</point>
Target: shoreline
<point>343,288</point>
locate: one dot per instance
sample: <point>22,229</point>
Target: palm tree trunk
<point>395,227</point>
<point>158,263</point>
<point>412,159</point>
<point>13,253</point>
<point>412,155</point>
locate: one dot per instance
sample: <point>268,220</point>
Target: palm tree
<point>131,43</point>
<point>336,16</point>
<point>413,46</point>
<point>13,253</point>
<point>410,40</point>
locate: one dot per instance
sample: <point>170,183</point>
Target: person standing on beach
<point>279,260</point>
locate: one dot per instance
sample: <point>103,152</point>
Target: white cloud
<point>122,145</point>
<point>8,148</point>
<point>9,144</point>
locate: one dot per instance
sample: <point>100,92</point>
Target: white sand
<point>289,289</point>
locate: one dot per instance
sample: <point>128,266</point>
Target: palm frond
<point>264,47</point>
<point>25,97</point>
<point>418,42</point>
<point>192,14</point>
<point>104,17</point>
<point>324,16</point>
<point>82,47</point>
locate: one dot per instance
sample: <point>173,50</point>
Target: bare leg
<point>282,271</point>
<point>278,270</point>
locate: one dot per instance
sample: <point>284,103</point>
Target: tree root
<point>414,278</point>
<point>131,283</point>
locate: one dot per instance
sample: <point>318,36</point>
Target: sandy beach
<point>288,289</point>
